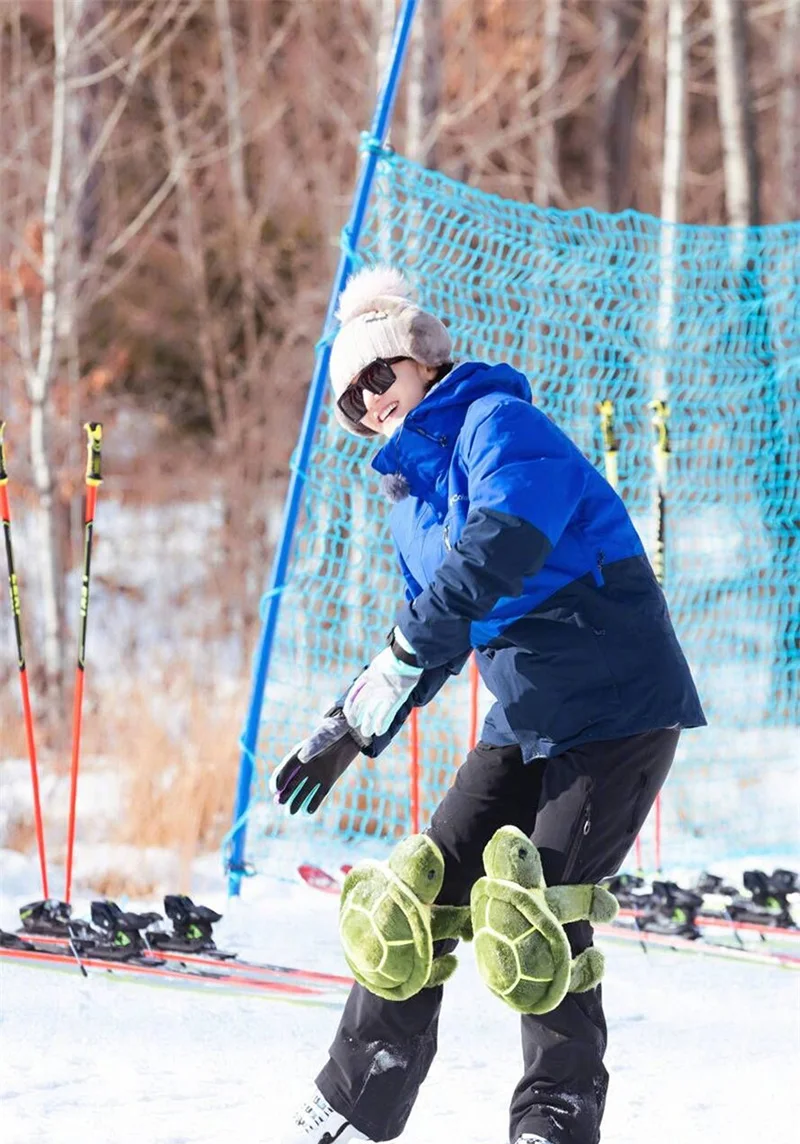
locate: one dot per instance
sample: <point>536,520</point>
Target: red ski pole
<point>94,440</point>
<point>13,588</point>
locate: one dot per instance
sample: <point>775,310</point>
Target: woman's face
<point>386,411</point>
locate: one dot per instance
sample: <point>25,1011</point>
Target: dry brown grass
<point>115,884</point>
<point>177,789</point>
<point>12,729</point>
<point>20,834</point>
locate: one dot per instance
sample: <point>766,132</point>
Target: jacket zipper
<point>438,439</point>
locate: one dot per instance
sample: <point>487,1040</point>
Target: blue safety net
<point>591,307</point>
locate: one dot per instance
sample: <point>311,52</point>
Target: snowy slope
<point>699,1050</point>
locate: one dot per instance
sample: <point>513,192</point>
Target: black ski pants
<point>583,810</point>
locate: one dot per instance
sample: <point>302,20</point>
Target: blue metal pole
<point>378,131</point>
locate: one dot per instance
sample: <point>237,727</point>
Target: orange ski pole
<point>94,440</point>
<point>13,588</point>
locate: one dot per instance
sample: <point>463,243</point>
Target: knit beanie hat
<point>379,319</point>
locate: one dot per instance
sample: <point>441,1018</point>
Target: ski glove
<point>306,775</point>
<point>380,691</point>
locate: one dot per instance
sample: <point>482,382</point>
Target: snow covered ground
<point>700,1050</point>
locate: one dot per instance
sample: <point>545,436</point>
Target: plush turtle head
<point>512,857</point>
<point>418,862</point>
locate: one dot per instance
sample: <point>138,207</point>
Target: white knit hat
<point>380,320</point>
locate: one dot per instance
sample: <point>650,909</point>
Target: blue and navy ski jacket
<point>512,544</point>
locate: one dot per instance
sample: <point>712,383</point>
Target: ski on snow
<point>222,977</point>
<point>134,945</point>
<point>629,929</point>
<point>220,962</point>
<point>700,946</point>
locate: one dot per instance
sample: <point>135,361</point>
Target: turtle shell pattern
<point>522,951</point>
<point>388,949</point>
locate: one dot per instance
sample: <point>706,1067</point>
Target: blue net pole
<point>235,840</point>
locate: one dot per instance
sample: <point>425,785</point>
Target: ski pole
<point>94,440</point>
<point>13,588</point>
<point>610,442</point>
<point>414,773</point>
<point>605,409</point>
<point>474,681</point>
<point>661,455</point>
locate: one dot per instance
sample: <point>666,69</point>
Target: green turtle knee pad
<point>521,948</point>
<point>388,922</point>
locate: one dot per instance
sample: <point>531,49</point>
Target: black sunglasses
<point>377,377</point>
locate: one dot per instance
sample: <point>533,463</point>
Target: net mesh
<point>590,307</point>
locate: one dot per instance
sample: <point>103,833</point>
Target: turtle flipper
<point>451,922</point>
<point>586,971</point>
<point>581,903</point>
<point>443,968</point>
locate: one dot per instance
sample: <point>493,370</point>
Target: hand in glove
<point>380,691</point>
<point>305,776</point>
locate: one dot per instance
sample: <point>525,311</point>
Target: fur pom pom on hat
<point>379,319</point>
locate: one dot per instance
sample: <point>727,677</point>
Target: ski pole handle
<point>3,473</point>
<point>610,442</point>
<point>94,442</point>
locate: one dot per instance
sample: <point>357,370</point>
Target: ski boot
<point>191,927</point>
<point>717,895</point>
<point>670,910</point>
<point>121,932</point>
<point>52,918</point>
<point>317,1123</point>
<point>768,903</point>
<point>713,884</point>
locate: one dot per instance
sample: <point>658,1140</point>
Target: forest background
<point>174,177</point>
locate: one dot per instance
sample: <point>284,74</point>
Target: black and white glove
<point>305,776</point>
<point>382,689</point>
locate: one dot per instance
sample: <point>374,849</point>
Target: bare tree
<point>425,83</point>
<point>789,109</point>
<point>385,16</point>
<point>546,179</point>
<point>618,55</point>
<point>674,123</point>
<point>51,226</point>
<point>738,143</point>
<point>244,237</point>
<point>39,367</point>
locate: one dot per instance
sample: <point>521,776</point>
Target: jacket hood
<point>420,450</point>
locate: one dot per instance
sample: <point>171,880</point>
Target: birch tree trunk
<point>425,83</point>
<point>606,56</point>
<point>615,102</point>
<point>789,110</point>
<point>671,184</point>
<point>674,116</point>
<point>656,17</point>
<point>671,179</point>
<point>385,15</point>
<point>233,112</point>
<point>736,121</point>
<point>39,377</point>
<point>546,151</point>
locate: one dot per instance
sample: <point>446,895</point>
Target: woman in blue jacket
<point>512,546</point>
